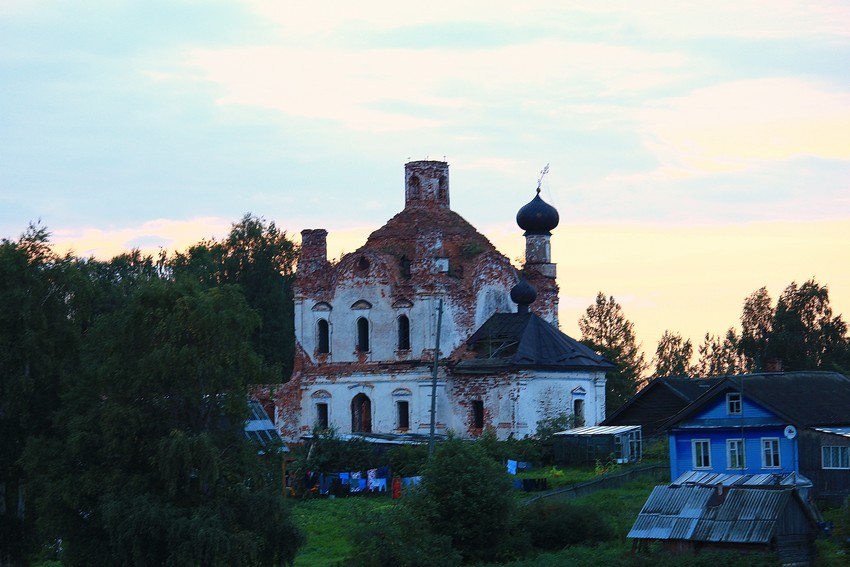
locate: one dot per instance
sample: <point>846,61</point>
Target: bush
<point>327,452</point>
<point>467,496</point>
<point>397,537</point>
<point>408,460</point>
<point>527,449</point>
<point>555,525</point>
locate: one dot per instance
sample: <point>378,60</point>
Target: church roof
<point>524,340</point>
<point>445,228</point>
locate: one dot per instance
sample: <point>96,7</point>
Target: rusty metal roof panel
<point>700,513</point>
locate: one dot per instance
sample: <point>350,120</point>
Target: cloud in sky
<point>737,125</point>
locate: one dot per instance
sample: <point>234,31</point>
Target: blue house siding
<point>681,451</point>
<point>718,410</point>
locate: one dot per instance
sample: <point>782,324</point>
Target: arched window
<point>323,340</point>
<point>403,333</point>
<point>361,414</point>
<point>578,411</point>
<point>362,334</point>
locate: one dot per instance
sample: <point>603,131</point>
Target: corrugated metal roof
<point>743,515</point>
<point>711,479</point>
<point>843,431</point>
<point>600,430</point>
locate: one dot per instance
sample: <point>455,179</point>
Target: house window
<point>770,453</point>
<point>702,453</point>
<point>835,457</point>
<point>363,334</point>
<point>321,415</point>
<point>735,454</point>
<point>403,333</point>
<point>403,411</point>
<point>477,414</point>
<point>733,403</point>
<point>323,342</point>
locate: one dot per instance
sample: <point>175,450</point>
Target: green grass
<point>327,522</point>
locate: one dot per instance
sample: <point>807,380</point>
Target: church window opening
<point>361,414</point>
<point>362,334</point>
<point>578,412</point>
<point>477,414</point>
<point>403,410</point>
<point>322,415</point>
<point>323,340</point>
<point>363,265</point>
<point>403,333</point>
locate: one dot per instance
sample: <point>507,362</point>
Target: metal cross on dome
<point>543,173</point>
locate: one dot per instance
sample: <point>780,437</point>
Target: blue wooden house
<point>768,423</point>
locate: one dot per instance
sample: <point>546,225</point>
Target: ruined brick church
<point>367,327</point>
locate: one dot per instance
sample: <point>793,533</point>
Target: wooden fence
<point>659,472</point>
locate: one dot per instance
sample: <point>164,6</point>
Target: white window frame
<point>734,403</point>
<point>736,450</point>
<point>770,452</point>
<point>695,443</point>
<point>836,459</point>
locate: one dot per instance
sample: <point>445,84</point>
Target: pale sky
<point>698,150</point>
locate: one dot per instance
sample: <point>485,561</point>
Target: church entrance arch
<point>361,414</point>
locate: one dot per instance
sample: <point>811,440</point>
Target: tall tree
<point>756,327</point>
<point>606,330</point>
<point>719,356</point>
<point>805,335</point>
<point>259,258</point>
<point>151,466</point>
<point>673,356</point>
<point>39,340</point>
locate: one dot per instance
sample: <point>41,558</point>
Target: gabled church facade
<point>367,329</point>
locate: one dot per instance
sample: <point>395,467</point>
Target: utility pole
<point>434,380</point>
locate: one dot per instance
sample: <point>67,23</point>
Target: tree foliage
<point>719,356</point>
<point>260,258</point>
<point>805,335</point>
<point>122,401</point>
<point>467,497</point>
<point>152,467</point>
<point>800,332</point>
<point>39,339</point>
<point>605,329</point>
<point>673,356</point>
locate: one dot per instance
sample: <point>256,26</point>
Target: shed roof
<point>599,430</point>
<point>695,513</point>
<point>525,340</point>
<point>260,428</point>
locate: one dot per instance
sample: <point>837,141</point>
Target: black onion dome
<point>523,293</point>
<point>537,217</point>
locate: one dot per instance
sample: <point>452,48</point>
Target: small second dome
<point>523,293</point>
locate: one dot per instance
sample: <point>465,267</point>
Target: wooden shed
<point>690,518</point>
<point>620,444</point>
